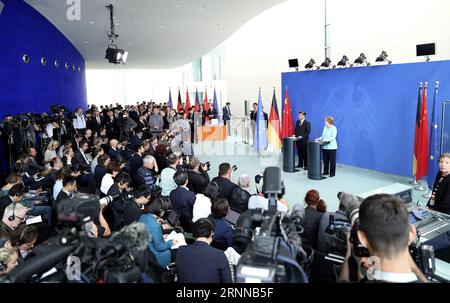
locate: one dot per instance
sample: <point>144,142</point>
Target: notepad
<point>176,236</point>
<point>34,220</point>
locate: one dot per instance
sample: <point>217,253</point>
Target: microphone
<point>132,238</point>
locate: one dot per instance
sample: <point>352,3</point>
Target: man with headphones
<point>199,262</point>
<point>13,216</point>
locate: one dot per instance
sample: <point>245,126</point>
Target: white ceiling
<point>158,34</point>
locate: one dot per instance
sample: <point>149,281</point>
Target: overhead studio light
<point>344,62</point>
<point>327,63</point>
<point>362,60</point>
<point>311,64</point>
<point>383,58</point>
<point>113,53</point>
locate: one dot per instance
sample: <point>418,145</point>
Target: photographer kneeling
<point>384,230</point>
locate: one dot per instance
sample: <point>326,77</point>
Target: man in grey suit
<point>156,122</point>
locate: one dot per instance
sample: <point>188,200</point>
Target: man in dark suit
<point>134,208</point>
<point>81,159</point>
<point>302,129</point>
<point>226,116</point>
<point>31,165</point>
<point>68,190</point>
<point>224,181</point>
<point>212,113</point>
<point>136,160</point>
<point>198,176</point>
<point>138,137</point>
<point>96,122</point>
<point>183,199</point>
<point>199,262</point>
<point>15,195</point>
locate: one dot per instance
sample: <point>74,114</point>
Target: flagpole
<point>414,181</point>
<point>420,187</point>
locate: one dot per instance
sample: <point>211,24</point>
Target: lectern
<point>288,154</point>
<point>314,163</point>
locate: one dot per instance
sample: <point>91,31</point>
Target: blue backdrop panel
<point>374,109</point>
<point>445,140</point>
<point>34,87</point>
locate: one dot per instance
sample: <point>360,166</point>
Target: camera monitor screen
<point>232,216</point>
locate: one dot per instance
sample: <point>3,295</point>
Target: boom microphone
<point>133,238</point>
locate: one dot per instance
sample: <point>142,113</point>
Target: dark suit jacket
<point>135,140</point>
<point>99,173</point>
<point>62,196</point>
<point>303,130</point>
<point>94,125</point>
<point>114,153</point>
<point>442,196</point>
<point>134,164</point>
<point>201,263</point>
<point>132,212</point>
<point>311,223</point>
<point>197,181</point>
<point>83,165</point>
<point>114,212</point>
<point>32,167</point>
<point>4,203</point>
<point>212,113</point>
<point>225,187</point>
<point>226,114</point>
<point>182,201</point>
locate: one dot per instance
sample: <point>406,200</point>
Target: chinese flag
<point>422,160</point>
<point>287,123</point>
<point>188,102</point>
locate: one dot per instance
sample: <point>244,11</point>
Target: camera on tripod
<point>270,239</point>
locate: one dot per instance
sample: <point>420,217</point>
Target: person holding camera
<point>198,175</point>
<point>224,182</point>
<point>383,228</point>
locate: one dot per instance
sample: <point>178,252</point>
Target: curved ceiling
<point>158,34</point>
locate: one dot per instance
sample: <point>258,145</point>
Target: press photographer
<point>380,224</point>
<point>120,259</point>
<point>198,175</point>
<point>271,239</point>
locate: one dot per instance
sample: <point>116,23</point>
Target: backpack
<point>239,199</point>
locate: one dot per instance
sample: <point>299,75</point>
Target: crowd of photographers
<point>140,160</point>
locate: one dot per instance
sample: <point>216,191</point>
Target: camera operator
<point>385,231</point>
<point>114,211</point>
<point>258,201</point>
<point>79,121</point>
<point>198,176</point>
<point>10,136</point>
<point>224,182</point>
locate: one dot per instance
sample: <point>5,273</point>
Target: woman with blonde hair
<point>50,153</point>
<point>329,147</point>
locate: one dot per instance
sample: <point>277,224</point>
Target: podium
<point>288,154</point>
<point>314,162</point>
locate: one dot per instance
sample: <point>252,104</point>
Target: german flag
<point>274,131</point>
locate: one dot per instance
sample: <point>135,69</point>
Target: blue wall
<point>33,87</point>
<point>374,109</point>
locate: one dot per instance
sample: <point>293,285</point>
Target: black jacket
<point>62,196</point>
<point>182,201</point>
<point>5,201</point>
<point>442,194</point>
<point>82,164</point>
<point>303,130</point>
<point>99,173</point>
<point>197,181</point>
<point>132,212</point>
<point>311,223</point>
<point>201,263</point>
<point>225,187</point>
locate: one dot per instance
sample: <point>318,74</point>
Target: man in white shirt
<point>167,183</point>
<point>259,201</point>
<point>79,123</point>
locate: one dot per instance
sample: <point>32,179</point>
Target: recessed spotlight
<point>129,43</point>
<point>169,44</point>
<point>91,22</point>
<point>179,5</point>
<point>202,7</point>
<point>163,26</point>
<point>86,41</point>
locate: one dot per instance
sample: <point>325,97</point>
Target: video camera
<point>422,254</point>
<point>73,256</point>
<point>270,240</point>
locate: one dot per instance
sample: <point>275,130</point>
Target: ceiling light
<point>113,53</point>
<point>91,22</point>
<point>383,58</point>
<point>327,63</point>
<point>311,64</point>
<point>362,59</point>
<point>344,62</point>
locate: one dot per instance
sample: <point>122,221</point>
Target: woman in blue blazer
<point>157,245</point>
